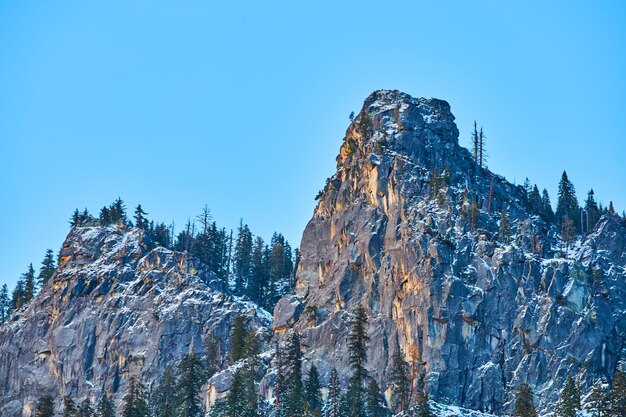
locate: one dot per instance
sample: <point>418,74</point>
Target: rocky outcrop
<point>115,308</point>
<point>410,227</point>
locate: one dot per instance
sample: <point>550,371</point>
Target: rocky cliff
<point>412,228</point>
<point>113,309</point>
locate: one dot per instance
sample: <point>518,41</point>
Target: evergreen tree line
<point>26,287</point>
<point>570,217</point>
<point>260,271</point>
<point>601,401</point>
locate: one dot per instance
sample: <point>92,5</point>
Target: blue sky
<point>242,105</point>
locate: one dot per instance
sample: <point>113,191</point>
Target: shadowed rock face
<point>475,310</point>
<point>113,310</point>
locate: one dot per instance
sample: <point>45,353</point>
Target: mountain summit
<point>455,270</point>
<point>452,269</point>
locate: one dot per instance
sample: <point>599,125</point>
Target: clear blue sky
<point>243,105</point>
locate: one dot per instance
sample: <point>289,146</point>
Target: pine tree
<point>313,391</point>
<point>259,280</point>
<point>18,295</point>
<point>69,407</point>
<point>104,219</point>
<point>374,401</point>
<point>75,219</point>
<point>612,209</point>
<point>135,404</point>
<point>333,408</point>
<point>117,212</point>
<point>475,143</point>
<point>105,407</point>
<point>597,402</point>
<point>280,266</point>
<point>85,409</point>
<point>5,303</point>
<point>568,232</point>
<point>400,381</point>
<point>191,377</point>
<point>238,339</point>
<point>243,258</point>
<point>421,408</point>
<point>235,400</point>
<point>140,218</point>
<point>548,213</point>
<point>45,407</point>
<point>294,388</point>
<point>29,284</point>
<point>47,269</point>
<point>535,203</point>
<point>161,235</point>
<point>523,406</point>
<point>569,400</point>
<point>279,385</point>
<point>482,154</point>
<point>617,395</point>
<point>527,187</point>
<point>592,210</point>
<point>357,347</point>
<point>567,203</point>
<point>164,397</point>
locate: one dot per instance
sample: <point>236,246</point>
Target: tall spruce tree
<point>29,284</point>
<point>238,339</point>
<point>548,213</point>
<point>164,397</point>
<point>135,404</point>
<point>257,284</point>
<point>294,387</point>
<point>569,401</point>
<point>313,392</point>
<point>117,212</point>
<point>535,203</point>
<point>333,406</point>
<point>357,348</point>
<point>140,218</point>
<point>105,407</point>
<point>279,384</point>
<point>475,142</point>
<point>523,406</point>
<point>18,295</point>
<point>592,211</point>
<point>242,265</point>
<point>374,401</point>
<point>236,399</point>
<point>5,303</point>
<point>597,402</point>
<point>191,377</point>
<point>45,407</point>
<point>421,407</point>
<point>400,381</point>
<point>47,269</point>
<point>567,205</point>
<point>617,395</point>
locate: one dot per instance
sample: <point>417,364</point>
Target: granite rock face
<point>112,310</point>
<point>409,227</point>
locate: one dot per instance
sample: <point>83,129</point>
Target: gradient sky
<point>242,105</point>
